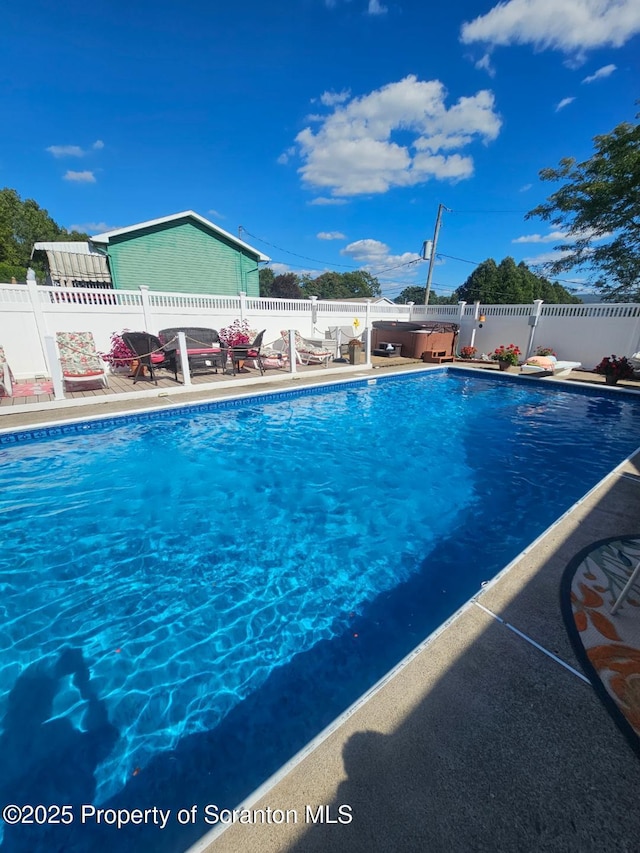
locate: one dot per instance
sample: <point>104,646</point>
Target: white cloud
<point>215,213</point>
<point>65,151</point>
<point>326,201</point>
<point>376,8</point>
<point>284,158</point>
<point>353,152</point>
<point>564,103</point>
<point>80,177</point>
<point>73,150</point>
<point>282,269</point>
<point>375,255</point>
<point>551,237</point>
<point>600,74</point>
<point>544,258</point>
<point>93,227</point>
<point>330,99</point>
<point>559,237</point>
<point>570,26</point>
<point>330,235</point>
<point>525,188</point>
<point>484,64</point>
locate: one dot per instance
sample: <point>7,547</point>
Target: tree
<point>266,276</point>
<point>413,294</point>
<point>482,285</point>
<point>600,201</point>
<point>23,223</point>
<point>286,286</point>
<point>509,284</point>
<point>341,285</point>
<point>416,295</point>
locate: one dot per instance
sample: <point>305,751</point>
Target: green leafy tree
<point>342,285</point>
<point>510,284</point>
<point>598,208</point>
<point>413,294</point>
<point>23,223</point>
<point>286,286</point>
<point>483,285</point>
<point>266,276</point>
<point>416,295</point>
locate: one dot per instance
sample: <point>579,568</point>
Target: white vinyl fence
<point>31,312</point>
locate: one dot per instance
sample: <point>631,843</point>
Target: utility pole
<point>441,207</point>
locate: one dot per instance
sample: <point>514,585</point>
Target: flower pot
<point>506,365</point>
<point>355,355</point>
<point>611,380</point>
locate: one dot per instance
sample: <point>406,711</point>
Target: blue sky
<point>329,130</point>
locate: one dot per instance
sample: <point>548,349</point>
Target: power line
<point>295,254</point>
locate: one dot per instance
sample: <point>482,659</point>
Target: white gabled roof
<point>186,214</point>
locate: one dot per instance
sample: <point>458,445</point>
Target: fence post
<point>314,315</point>
<point>461,307</point>
<point>293,355</point>
<point>38,316</point>
<point>367,333</point>
<point>146,306</point>
<point>410,304</point>
<point>184,358</point>
<point>54,367</point>
<point>476,312</point>
<point>243,305</point>
<point>533,322</point>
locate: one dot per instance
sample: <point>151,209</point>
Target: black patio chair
<point>248,352</point>
<point>149,354</point>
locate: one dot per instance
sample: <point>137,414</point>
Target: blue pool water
<point>188,598</point>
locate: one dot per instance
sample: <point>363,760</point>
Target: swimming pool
<point>188,597</point>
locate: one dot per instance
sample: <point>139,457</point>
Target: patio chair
<point>306,351</point>
<point>149,354</point>
<point>248,352</point>
<point>79,360</point>
<point>546,365</point>
<point>6,376</point>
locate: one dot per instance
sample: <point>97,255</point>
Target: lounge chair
<point>149,354</point>
<point>306,351</point>
<point>548,365</point>
<point>79,360</point>
<point>6,376</point>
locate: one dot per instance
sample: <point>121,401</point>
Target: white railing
<point>30,312</point>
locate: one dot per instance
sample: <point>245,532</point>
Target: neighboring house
<point>182,253</point>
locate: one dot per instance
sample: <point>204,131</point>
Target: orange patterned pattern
<point>611,643</point>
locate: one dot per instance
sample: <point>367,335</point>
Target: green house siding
<point>182,257</point>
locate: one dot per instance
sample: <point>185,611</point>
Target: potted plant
<point>543,351</point>
<point>506,356</point>
<point>120,358</point>
<point>468,352</point>
<point>355,351</point>
<point>236,335</point>
<point>614,368</point>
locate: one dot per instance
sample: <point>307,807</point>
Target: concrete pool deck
<point>481,741</point>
